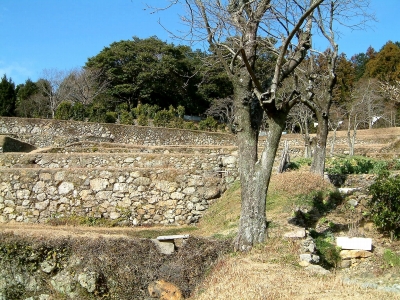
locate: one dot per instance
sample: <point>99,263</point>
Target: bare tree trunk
<point>254,181</point>
<point>307,142</point>
<point>351,139</point>
<point>285,158</point>
<point>333,141</point>
<point>318,162</point>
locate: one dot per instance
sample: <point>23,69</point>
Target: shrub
<point>64,111</point>
<point>298,163</point>
<point>162,118</point>
<point>208,124</point>
<point>355,165</point>
<point>189,125</point>
<point>146,109</point>
<point>328,252</point>
<point>126,118</point>
<point>142,120</point>
<point>110,117</point>
<point>385,205</point>
<point>79,112</point>
<point>392,259</point>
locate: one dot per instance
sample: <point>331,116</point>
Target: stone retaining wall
<point>44,133</point>
<point>133,196</point>
<point>196,163</point>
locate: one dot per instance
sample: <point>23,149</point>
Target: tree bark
<point>318,162</point>
<point>255,179</point>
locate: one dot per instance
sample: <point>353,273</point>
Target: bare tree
<point>302,116</point>
<point>365,109</point>
<point>223,110</point>
<point>85,84</point>
<point>233,30</point>
<point>391,91</point>
<point>52,88</point>
<point>321,75</point>
<point>336,116</point>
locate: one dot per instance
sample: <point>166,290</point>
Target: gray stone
<point>164,247</point>
<point>114,215</point>
<point>177,196</point>
<point>296,234</point>
<point>88,281</point>
<point>98,184</point>
<point>142,181</point>
<point>64,283</point>
<point>352,202</point>
<point>42,205</point>
<point>212,193</point>
<point>65,188</point>
<point>311,258</point>
<point>48,266</point>
<point>346,263</point>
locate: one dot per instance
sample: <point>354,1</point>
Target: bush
<point>110,117</point>
<point>298,163</point>
<point>146,109</point>
<point>326,249</point>
<point>79,112</point>
<point>142,120</point>
<point>162,118</point>
<point>208,124</point>
<point>189,126</point>
<point>64,111</point>
<point>392,259</point>
<point>126,118</point>
<point>355,165</point>
<point>385,205</point>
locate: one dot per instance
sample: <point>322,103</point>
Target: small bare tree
<point>391,91</point>
<point>366,108</point>
<point>223,110</point>
<point>85,84</point>
<point>336,116</point>
<point>301,116</point>
<point>52,88</point>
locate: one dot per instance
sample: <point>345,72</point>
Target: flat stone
<point>172,237</point>
<point>164,247</point>
<point>296,234</point>
<point>347,254</point>
<point>355,243</point>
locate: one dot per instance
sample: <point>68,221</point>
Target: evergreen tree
<point>7,97</point>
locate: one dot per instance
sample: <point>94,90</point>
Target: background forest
<point>151,82</point>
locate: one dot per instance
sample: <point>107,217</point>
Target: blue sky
<point>62,34</point>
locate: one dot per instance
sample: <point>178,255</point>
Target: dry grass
<point>271,271</point>
<point>242,278</point>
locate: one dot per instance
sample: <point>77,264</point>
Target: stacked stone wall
<point>133,196</point>
<point>44,133</point>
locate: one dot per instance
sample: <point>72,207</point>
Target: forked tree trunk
<point>255,179</point>
<point>318,162</point>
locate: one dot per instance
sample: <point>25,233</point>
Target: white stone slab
<point>172,237</point>
<point>354,243</point>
